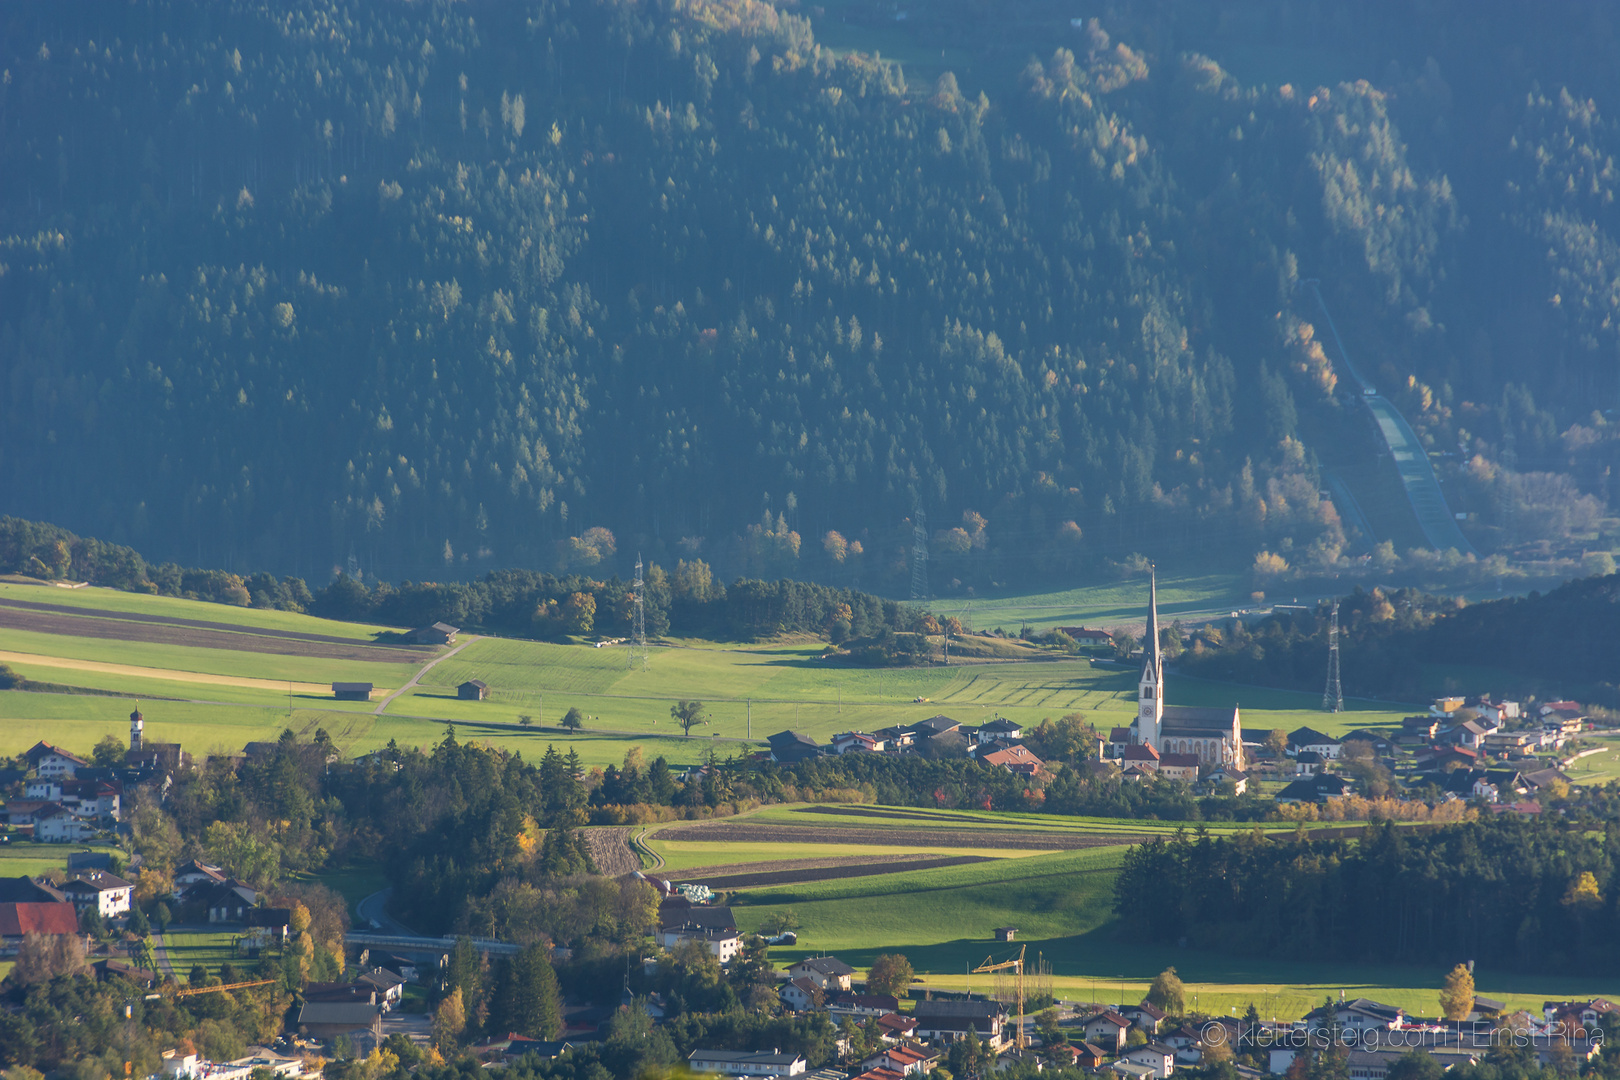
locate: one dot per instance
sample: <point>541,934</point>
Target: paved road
<point>429,666</point>
<point>374,909</point>
<point>161,952</point>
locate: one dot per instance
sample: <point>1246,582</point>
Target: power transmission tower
<point>919,555</point>
<point>1333,696</point>
<point>638,629</point>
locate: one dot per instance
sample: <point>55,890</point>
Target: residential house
<point>1445,706</point>
<point>1157,1056</point>
<point>1014,1058</point>
<point>935,725</point>
<point>1088,636</point>
<point>194,871</point>
<point>227,901</point>
<point>678,913</point>
<point>402,966</point>
<point>1421,727</point>
<point>268,926</point>
<point>20,812</point>
<point>91,800</point>
<point>724,944</point>
<point>99,891</point>
<point>329,1019</point>
<point>1470,733</point>
<point>1358,1015</point>
<point>436,634</point>
<point>1183,767</point>
<point>851,1004</point>
<point>846,741</point>
<point>746,1062</point>
<point>473,690</point>
<point>35,918</point>
<point>1309,763</point>
<point>343,992</point>
<point>352,691</point>
<point>1512,743</point>
<point>788,747</point>
<point>1144,1016</point>
<point>1307,738</point>
<point>1088,1055</point>
<point>1141,756</point>
<point>947,1021</point>
<point>803,995</point>
<point>827,972</point>
<point>1016,759</point>
<point>905,1060</point>
<point>51,761</point>
<point>1318,789</point>
<point>1126,1069</point>
<point>1118,739</point>
<point>27,890</point>
<point>1106,1029</point>
<point>389,986</point>
<point>897,740</point>
<point>1000,728</point>
<point>54,824</point>
<point>1223,774</point>
<point>1441,758</point>
<point>1541,778</point>
<point>895,1027</point>
<point>114,967</point>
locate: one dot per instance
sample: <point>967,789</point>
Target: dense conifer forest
<point>439,288</point>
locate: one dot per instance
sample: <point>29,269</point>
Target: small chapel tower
<point>1150,691</point>
<point>137,728</point>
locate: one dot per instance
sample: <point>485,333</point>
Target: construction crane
<point>1018,968</point>
<point>190,990</point>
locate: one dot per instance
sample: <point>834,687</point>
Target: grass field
<point>222,698</point>
<point>94,598</point>
<point>1105,605</point>
<point>24,857</point>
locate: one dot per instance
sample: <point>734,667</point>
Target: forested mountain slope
<point>285,284</point>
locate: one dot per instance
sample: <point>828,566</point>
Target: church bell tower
<point>137,725</point>
<point>1150,690</point>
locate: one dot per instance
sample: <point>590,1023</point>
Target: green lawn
<point>209,948</point>
<point>25,857</point>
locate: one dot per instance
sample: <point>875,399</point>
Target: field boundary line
<point>134,671</point>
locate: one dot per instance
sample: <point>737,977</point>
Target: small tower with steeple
<point>137,725</point>
<point>1150,690</point>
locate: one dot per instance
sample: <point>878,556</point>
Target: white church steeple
<point>1150,691</point>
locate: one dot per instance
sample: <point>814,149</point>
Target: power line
<point>919,555</point>
<point>638,630</point>
<point>1333,696</point>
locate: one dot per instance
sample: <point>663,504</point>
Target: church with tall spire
<point>1213,735</point>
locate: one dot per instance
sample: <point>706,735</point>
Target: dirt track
<point>762,875</point>
<point>113,625</point>
<point>279,686</point>
<point>921,839</point>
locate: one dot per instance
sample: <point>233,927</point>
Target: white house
<point>47,760</point>
<point>827,972</point>
<point>54,825</point>
<point>109,896</point>
<point>724,944</point>
<point>1156,1056</point>
<point>746,1063</point>
<point>1107,1029</point>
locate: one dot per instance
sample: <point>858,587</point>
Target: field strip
<point>164,673</point>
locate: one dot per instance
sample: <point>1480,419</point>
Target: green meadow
<point>25,857</point>
<point>1062,905</point>
<point>94,598</point>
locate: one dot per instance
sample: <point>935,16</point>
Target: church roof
<point>1185,719</point>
